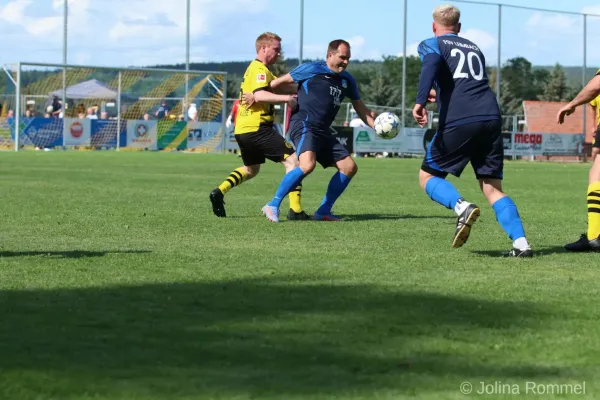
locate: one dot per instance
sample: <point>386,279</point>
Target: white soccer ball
<point>387,125</point>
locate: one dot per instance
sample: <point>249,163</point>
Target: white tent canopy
<point>92,89</point>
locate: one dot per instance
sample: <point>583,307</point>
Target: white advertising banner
<point>142,134</point>
<point>203,134</point>
<point>542,144</point>
<point>409,140</point>
<point>77,131</point>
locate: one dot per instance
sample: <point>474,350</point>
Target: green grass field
<point>117,282</point>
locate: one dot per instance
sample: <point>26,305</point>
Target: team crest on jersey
<point>261,78</point>
<point>344,83</point>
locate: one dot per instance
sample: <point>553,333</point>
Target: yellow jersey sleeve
<point>594,103</point>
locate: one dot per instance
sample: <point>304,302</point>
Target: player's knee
<point>424,177</point>
<point>349,169</point>
<point>595,171</point>
<point>307,166</point>
<point>252,171</point>
<point>291,162</point>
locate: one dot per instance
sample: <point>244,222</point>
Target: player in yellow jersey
<point>589,241</point>
<point>254,131</point>
<point>596,142</point>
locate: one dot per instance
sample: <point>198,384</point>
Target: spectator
<point>193,112</point>
<point>232,115</point>
<point>56,109</point>
<point>163,111</point>
<point>103,115</point>
<point>91,114</point>
<point>146,117</point>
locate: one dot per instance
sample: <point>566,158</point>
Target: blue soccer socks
<point>443,192</point>
<point>289,182</point>
<point>338,183</point>
<point>508,217</point>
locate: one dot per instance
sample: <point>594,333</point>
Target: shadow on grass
<point>369,217</point>
<point>254,339</point>
<point>68,254</point>
<point>542,251</point>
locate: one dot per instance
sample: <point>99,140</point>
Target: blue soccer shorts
<point>479,143</point>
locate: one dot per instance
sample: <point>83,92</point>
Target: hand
<point>420,115</point>
<point>293,102</point>
<point>432,96</point>
<point>248,99</point>
<point>563,112</point>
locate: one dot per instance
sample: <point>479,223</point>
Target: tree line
<point>380,81</point>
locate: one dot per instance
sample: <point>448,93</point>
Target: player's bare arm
<point>363,113</point>
<point>264,96</point>
<point>587,94</point>
<point>432,96</point>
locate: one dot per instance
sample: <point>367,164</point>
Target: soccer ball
<point>387,125</point>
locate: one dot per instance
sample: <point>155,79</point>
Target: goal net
<point>89,108</point>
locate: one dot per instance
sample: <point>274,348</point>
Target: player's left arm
<point>359,106</point>
<point>363,112</point>
<point>587,94</point>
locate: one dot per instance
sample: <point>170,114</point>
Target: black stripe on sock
<point>594,194</point>
<point>594,210</point>
<point>591,201</point>
<point>235,177</point>
<point>231,182</point>
<point>239,174</point>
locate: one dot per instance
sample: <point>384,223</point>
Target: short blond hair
<point>446,15</point>
<point>266,39</point>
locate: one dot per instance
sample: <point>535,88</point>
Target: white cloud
<point>411,50</point>
<point>484,40</point>
<point>553,22</point>
<point>130,32</point>
<point>591,10</point>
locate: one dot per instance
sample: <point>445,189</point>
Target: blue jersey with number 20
<point>455,67</point>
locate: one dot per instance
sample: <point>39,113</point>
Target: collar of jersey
<point>329,69</point>
<point>449,34</point>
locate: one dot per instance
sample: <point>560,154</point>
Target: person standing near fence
<point>589,241</point>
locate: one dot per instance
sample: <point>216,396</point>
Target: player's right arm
<point>284,84</point>
<point>588,93</point>
<point>431,59</point>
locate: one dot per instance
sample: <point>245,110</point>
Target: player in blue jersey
<point>469,129</point>
<point>321,88</point>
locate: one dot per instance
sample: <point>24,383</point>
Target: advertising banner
<point>142,135</point>
<point>77,131</point>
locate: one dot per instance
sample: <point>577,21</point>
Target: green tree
<point>556,88</point>
<point>280,67</point>
<point>379,90</point>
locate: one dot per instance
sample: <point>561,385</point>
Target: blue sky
<point>146,32</point>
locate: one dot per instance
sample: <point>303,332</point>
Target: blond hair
<point>446,15</point>
<point>266,39</point>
